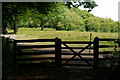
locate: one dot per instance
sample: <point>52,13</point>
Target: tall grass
<point>36,33</point>
<point>48,33</point>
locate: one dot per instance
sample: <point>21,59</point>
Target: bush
<point>7,58</point>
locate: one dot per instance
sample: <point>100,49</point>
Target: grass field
<point>36,33</point>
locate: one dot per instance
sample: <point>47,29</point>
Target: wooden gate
<point>65,53</point>
<point>61,49</point>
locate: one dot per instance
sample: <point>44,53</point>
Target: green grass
<point>36,33</point>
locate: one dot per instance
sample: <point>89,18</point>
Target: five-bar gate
<point>63,53</point>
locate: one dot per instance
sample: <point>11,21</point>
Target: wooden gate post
<point>58,52</point>
<point>96,52</point>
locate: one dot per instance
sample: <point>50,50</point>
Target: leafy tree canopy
<point>11,10</point>
<point>58,15</point>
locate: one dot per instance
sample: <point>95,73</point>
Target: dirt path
<point>12,36</point>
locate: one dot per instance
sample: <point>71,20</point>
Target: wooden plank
<point>77,65</point>
<point>34,46</point>
<point>76,48</point>
<point>77,59</point>
<point>79,54</point>
<point>76,42</point>
<point>108,39</point>
<point>108,52</point>
<point>106,46</point>
<point>35,53</point>
<point>36,40</point>
<point>35,59</point>
<point>34,64</point>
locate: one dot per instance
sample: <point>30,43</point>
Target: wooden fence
<point>110,51</point>
<point>26,45</point>
<point>58,52</point>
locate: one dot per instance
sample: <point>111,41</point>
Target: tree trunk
<point>42,24</point>
<point>4,31</point>
<point>15,27</point>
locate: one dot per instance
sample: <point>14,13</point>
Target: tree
<point>9,14</point>
<point>114,27</point>
<point>90,4</point>
<point>11,11</point>
<point>29,18</point>
<point>101,24</point>
<point>73,21</point>
<point>93,24</point>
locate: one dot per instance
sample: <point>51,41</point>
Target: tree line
<point>58,15</point>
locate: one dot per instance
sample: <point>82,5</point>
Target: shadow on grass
<point>30,72</point>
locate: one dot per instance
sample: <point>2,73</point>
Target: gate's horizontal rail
<point>76,65</point>
<point>76,48</point>
<point>78,59</point>
<point>35,46</point>
<point>77,42</point>
<point>34,59</point>
<point>35,40</point>
<point>79,54</point>
<point>35,53</point>
<point>35,64</point>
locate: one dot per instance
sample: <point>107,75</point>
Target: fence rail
<point>35,40</point>
<point>108,39</point>
<point>77,42</point>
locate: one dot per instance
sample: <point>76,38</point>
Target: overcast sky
<point>106,9</point>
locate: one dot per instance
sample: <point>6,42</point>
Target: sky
<point>106,9</point>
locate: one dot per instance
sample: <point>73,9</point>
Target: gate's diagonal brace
<point>69,59</point>
<point>84,49</point>
<point>77,54</point>
<point>72,51</point>
<point>84,60</point>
